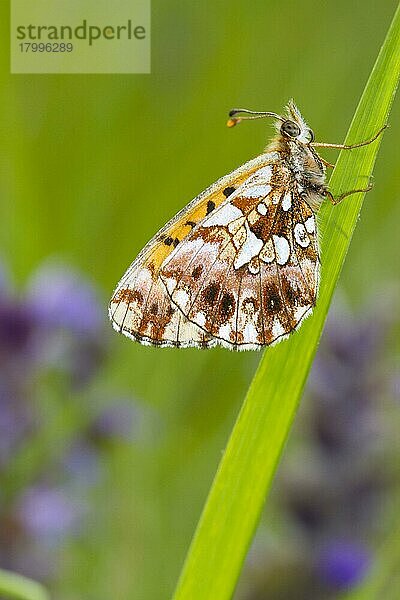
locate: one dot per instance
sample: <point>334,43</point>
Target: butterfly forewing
<point>141,308</point>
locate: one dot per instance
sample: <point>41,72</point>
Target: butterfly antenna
<point>249,115</point>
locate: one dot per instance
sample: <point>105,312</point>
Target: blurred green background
<point>91,166</point>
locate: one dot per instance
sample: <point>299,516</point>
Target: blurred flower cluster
<point>334,482</point>
<point>52,346</point>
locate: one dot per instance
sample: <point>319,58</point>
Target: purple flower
<point>345,382</point>
<point>70,321</point>
<point>83,463</point>
<point>14,423</point>
<point>342,564</point>
<point>353,341</point>
<point>47,513</point>
<point>59,297</point>
<point>16,326</point>
<point>116,421</point>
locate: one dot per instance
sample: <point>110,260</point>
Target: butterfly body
<point>239,265</point>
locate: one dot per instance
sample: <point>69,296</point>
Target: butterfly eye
<point>290,129</point>
<point>311,134</point>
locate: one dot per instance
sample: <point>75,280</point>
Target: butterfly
<point>239,266</point>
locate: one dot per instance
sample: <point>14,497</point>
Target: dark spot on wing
<point>168,241</point>
<point>197,271</point>
<point>261,228</point>
<point>292,295</point>
<point>227,306</point>
<point>273,302</point>
<point>152,268</point>
<point>154,308</point>
<point>244,204</point>
<point>210,206</point>
<point>176,242</point>
<point>191,224</point>
<point>210,293</point>
<point>228,191</point>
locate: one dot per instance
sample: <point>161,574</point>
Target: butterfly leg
<point>349,146</point>
<point>345,194</point>
<point>326,163</point>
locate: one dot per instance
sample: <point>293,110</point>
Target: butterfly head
<point>291,126</point>
<point>294,126</point>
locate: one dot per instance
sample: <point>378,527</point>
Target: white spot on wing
<point>224,215</point>
<point>264,173</point>
<point>287,201</point>
<point>200,319</point>
<point>282,249</point>
<point>143,278</point>
<point>262,209</point>
<point>250,333</point>
<point>170,284</point>
<point>250,248</point>
<point>310,224</point>
<point>277,329</point>
<point>299,313</point>
<point>301,236</point>
<point>224,331</point>
<point>255,191</point>
<point>181,298</point>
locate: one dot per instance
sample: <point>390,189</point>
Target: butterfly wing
<point>140,306</point>
<point>248,273</point>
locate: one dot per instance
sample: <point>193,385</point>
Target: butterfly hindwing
<point>247,274</point>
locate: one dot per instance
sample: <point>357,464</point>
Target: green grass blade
<point>20,588</point>
<point>246,471</point>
